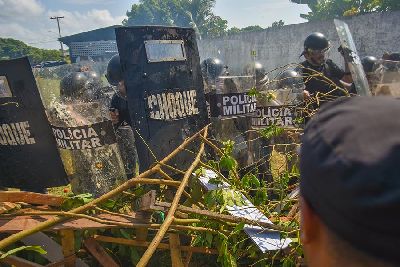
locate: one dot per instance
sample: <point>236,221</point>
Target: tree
<point>11,48</point>
<point>329,9</point>
<point>253,28</point>
<point>278,24</point>
<point>197,14</point>
<point>235,30</point>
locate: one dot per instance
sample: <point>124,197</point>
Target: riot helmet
<point>394,57</point>
<point>290,79</point>
<point>257,69</point>
<point>316,48</point>
<point>317,42</point>
<point>368,63</point>
<point>114,70</point>
<point>73,84</point>
<point>82,85</point>
<point>290,85</point>
<point>212,68</point>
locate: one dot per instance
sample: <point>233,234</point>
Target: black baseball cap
<point>350,172</point>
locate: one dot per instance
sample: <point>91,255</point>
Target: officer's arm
<point>337,72</point>
<point>347,78</point>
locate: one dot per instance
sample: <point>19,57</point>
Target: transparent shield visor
<point>96,87</point>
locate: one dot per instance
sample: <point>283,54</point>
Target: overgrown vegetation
<point>330,9</point>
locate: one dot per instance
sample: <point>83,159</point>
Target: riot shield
<point>279,109</point>
<point>83,130</point>
<point>230,106</point>
<point>162,75</point>
<point>28,153</point>
<point>350,53</point>
<point>385,78</point>
<point>280,103</point>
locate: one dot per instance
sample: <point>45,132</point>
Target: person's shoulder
<point>302,65</point>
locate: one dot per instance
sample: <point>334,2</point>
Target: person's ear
<point>309,223</point>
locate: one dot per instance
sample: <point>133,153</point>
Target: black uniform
<point>321,84</point>
<point>121,104</point>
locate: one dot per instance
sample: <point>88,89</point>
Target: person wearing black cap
<point>322,75</point>
<point>350,184</point>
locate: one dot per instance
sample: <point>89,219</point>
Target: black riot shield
<point>29,158</point>
<point>162,75</point>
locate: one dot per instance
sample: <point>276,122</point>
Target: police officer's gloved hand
<point>114,114</point>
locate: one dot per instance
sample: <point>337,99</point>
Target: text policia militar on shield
<point>172,106</point>
<point>283,116</point>
<point>84,137</point>
<point>232,105</point>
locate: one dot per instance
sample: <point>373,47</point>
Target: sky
<point>29,20</point>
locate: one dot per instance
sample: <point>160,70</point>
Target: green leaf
<point>246,181</point>
<point>228,147</point>
<point>38,249</point>
<point>209,239</point>
<point>125,234</point>
<point>227,163</point>
<point>255,183</point>
<point>261,197</point>
<point>271,131</point>
<point>295,240</point>
<point>288,263</point>
<point>239,227</point>
<point>135,257</point>
<point>215,181</point>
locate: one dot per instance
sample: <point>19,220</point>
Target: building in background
<point>95,45</point>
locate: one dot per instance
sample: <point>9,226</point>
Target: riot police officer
<point>92,168</point>
<point>119,105</point>
<point>319,72</point>
<point>290,87</point>
<point>211,69</point>
<point>120,117</point>
<point>81,85</point>
<point>257,69</point>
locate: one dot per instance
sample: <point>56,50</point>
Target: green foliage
<point>197,14</point>
<point>271,131</point>
<point>11,48</point>
<point>278,24</point>
<point>219,199</point>
<point>254,28</point>
<point>329,9</point>
<point>37,249</point>
<point>76,201</point>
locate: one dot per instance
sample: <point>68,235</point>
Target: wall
<point>373,34</point>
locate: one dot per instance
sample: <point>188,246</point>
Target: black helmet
<point>368,63</point>
<point>290,79</point>
<point>212,68</point>
<point>394,57</point>
<point>257,69</point>
<point>114,71</point>
<point>316,41</point>
<point>73,84</point>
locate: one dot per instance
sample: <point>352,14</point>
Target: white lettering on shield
<point>77,138</point>
<point>280,116</point>
<point>14,134</point>
<point>238,104</point>
<point>172,106</point>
